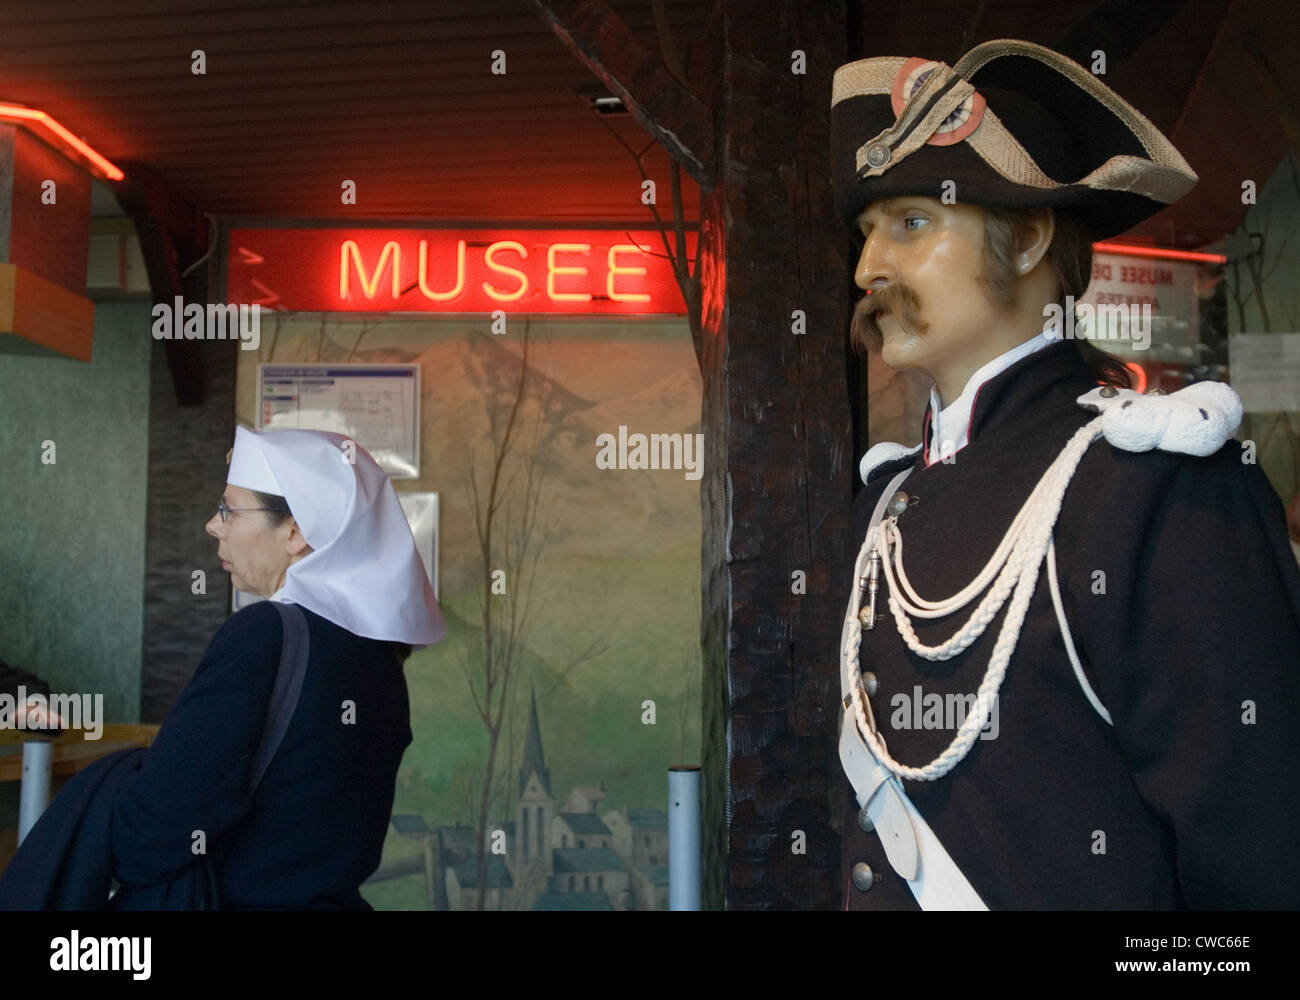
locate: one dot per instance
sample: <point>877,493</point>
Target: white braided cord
<point>1015,564</point>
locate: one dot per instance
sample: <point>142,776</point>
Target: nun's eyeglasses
<point>225,511</point>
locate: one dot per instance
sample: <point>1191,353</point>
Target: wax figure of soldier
<point>1079,685</point>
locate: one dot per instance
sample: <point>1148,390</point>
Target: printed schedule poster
<point>378,406</point>
<point>1265,370</point>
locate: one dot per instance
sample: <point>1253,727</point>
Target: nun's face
<point>254,553</point>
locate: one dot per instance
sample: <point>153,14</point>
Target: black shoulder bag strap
<point>284,695</point>
<point>279,711</point>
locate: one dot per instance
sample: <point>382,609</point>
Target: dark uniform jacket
<point>309,836</point>
<point>1183,599</point>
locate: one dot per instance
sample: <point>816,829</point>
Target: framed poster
<point>1265,370</point>
<point>378,406</point>
<point>422,515</point>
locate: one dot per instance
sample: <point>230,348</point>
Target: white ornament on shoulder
<point>1196,420</point>
<point>879,454</point>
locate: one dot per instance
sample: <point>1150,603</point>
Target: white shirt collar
<point>952,422</point>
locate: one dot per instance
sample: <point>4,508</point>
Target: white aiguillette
<point>912,848</point>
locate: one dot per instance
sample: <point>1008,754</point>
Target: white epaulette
<point>879,454</point>
<point>1196,420</point>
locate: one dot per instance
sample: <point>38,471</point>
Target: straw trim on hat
<point>886,110</point>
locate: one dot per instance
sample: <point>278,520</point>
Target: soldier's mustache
<point>897,299</point>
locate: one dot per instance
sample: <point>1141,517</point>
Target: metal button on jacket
<point>863,877</point>
<point>878,154</point>
<point>869,683</point>
<point>897,504</point>
<point>864,822</point>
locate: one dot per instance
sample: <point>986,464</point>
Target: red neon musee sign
<point>453,270</point>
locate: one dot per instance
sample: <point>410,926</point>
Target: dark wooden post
<point>777,473</point>
<point>776,484</point>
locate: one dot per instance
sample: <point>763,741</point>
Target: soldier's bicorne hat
<point>1011,125</point>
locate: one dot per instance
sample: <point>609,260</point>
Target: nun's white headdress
<point>364,573</point>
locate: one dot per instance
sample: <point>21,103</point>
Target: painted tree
<point>511,532</point>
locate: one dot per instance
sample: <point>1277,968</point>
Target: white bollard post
<point>684,837</point>
<point>34,793</point>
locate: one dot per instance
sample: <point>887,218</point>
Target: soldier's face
<point>922,262</point>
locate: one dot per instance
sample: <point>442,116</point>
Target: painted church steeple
<point>533,815</point>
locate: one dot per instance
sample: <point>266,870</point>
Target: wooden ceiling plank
<point>415,113</point>
<point>237,38</point>
<point>231,152</point>
<point>417,176</point>
<point>527,72</point>
<point>431,90</point>
<point>468,145</point>
<point>190,21</point>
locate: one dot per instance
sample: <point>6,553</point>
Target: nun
<point>278,783</point>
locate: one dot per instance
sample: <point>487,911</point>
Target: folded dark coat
<point>66,860</point>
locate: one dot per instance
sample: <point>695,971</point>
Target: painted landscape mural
<point>569,680</point>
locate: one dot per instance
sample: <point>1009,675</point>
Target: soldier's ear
<point>1034,236</point>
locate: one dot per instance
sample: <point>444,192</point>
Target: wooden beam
<point>664,106</point>
<point>775,494</point>
<point>40,317</point>
<point>169,231</point>
<point>177,216</point>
